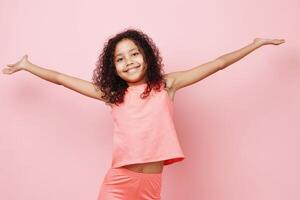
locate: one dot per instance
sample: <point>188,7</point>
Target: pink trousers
<point>124,184</point>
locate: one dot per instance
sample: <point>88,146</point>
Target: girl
<point>129,78</point>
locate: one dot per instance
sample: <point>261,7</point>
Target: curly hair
<point>113,86</point>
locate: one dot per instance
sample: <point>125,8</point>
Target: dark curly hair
<point>106,78</point>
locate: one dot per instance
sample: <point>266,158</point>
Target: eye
<point>119,59</point>
<point>135,53</point>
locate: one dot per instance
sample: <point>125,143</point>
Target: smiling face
<point>130,63</point>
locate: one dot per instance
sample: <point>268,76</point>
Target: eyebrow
<point>129,51</point>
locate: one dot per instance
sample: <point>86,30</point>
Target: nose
<point>128,61</point>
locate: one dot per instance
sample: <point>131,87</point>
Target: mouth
<point>132,70</point>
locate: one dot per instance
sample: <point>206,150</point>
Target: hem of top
<point>176,159</point>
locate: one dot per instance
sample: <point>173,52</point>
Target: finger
<point>6,71</point>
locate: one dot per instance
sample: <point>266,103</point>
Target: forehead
<point>125,46</point>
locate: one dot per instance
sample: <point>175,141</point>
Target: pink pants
<point>124,184</point>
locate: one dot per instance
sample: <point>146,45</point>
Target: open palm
<point>12,68</point>
<point>269,41</point>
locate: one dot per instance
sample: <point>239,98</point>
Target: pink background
<point>239,128</point>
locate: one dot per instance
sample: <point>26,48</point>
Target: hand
<point>268,41</point>
<point>21,64</point>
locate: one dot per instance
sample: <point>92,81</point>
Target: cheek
<point>118,67</point>
<point>141,59</point>
<point>119,71</point>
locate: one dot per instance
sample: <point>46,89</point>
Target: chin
<point>134,79</point>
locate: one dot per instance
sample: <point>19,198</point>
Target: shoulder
<point>109,104</point>
<point>169,79</point>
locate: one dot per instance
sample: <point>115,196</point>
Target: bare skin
<point>150,167</point>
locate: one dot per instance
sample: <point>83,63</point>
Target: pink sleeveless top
<point>144,130</point>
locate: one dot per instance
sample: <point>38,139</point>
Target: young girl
<point>129,78</point>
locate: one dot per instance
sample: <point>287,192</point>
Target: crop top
<point>144,130</point>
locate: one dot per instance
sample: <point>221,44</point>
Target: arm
<point>234,56</point>
<point>182,79</point>
<point>78,85</point>
<point>81,86</point>
<point>46,74</point>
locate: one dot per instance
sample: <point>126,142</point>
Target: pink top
<point>144,130</point>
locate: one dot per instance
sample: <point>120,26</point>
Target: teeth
<point>132,70</point>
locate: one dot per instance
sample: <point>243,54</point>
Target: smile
<point>133,70</point>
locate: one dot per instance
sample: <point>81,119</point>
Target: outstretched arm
<point>182,79</point>
<point>79,85</point>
